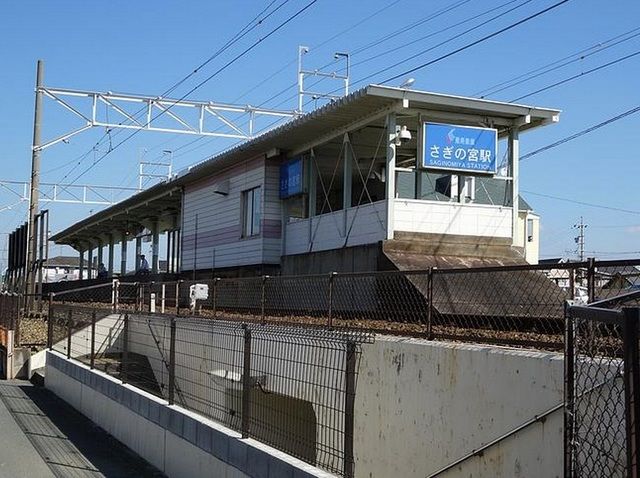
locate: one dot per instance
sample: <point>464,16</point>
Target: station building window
<point>251,212</point>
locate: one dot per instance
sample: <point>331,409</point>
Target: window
<point>529,230</point>
<point>251,212</point>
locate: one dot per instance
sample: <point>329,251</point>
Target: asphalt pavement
<point>42,436</point>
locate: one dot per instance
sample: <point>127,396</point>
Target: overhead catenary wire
<point>404,29</point>
<point>202,83</point>
<point>250,26</point>
<point>582,203</point>
<point>432,16</point>
<point>476,42</point>
<point>579,75</point>
<point>559,63</point>
<point>583,132</point>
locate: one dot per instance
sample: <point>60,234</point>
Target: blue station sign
<point>291,180</point>
<point>465,149</point>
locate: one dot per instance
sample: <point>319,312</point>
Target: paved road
<point>42,436</point>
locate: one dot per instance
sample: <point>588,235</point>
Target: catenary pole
<point>35,185</point>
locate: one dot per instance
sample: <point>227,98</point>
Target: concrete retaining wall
<point>176,441</point>
<point>421,405</point>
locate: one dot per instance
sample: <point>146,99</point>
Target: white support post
<point>390,173</point>
<point>155,247</point>
<point>514,166</point>
<point>162,299</point>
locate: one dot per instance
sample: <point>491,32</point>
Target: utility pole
<point>30,286</point>
<point>581,226</point>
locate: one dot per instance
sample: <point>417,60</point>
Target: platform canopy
<point>368,105</point>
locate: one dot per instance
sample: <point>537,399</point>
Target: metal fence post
<point>137,299</point>
<point>262,298</point>
<point>572,284</point>
<point>115,293</point>
<point>50,323</point>
<point>591,279</point>
<point>215,296</point>
<point>430,303</point>
<point>178,297</point>
<point>92,356</point>
<point>568,390</point>
<point>125,349</point>
<point>69,332</point>
<point>246,383</point>
<point>172,362</point>
<point>332,276</point>
<point>632,388</point>
<point>349,408</point>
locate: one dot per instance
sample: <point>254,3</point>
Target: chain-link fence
<point>290,387</point>
<point>602,380</point>
<point>513,305</point>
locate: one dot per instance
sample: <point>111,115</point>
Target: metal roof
<point>328,121</point>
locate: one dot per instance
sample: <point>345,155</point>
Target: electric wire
<point>583,132</point>
<point>474,43</point>
<point>557,64</point>
<point>202,83</point>
<point>579,75</point>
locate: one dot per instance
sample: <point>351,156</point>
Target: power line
<point>455,37</point>
<point>582,203</point>
<point>584,73</point>
<point>558,64</point>
<point>369,45</point>
<point>476,42</point>
<point>254,23</point>
<point>581,133</point>
<point>202,83</point>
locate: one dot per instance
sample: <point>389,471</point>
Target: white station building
<point>384,178</point>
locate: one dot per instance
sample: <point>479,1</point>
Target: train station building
<point>384,178</point>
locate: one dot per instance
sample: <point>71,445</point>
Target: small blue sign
<point>466,149</point>
<point>291,181</point>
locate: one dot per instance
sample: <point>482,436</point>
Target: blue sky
<point>144,47</point>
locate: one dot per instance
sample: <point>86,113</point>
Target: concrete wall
<point>177,442</point>
<point>452,218</point>
<point>421,405</point>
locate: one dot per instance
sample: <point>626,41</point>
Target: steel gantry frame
<point>154,107</point>
<point>68,193</point>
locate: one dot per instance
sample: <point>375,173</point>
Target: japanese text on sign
<point>459,148</point>
<point>291,181</point>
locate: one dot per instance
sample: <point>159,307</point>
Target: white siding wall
<point>219,240</point>
<point>364,225</point>
<point>452,218</point>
